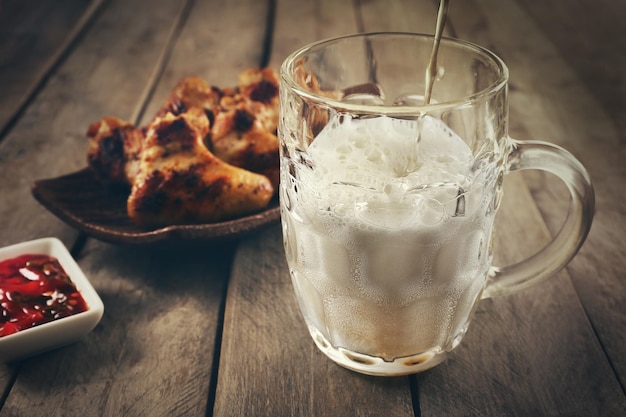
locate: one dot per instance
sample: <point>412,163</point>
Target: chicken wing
<point>239,137</point>
<point>114,149</point>
<point>181,181</point>
<point>261,87</point>
<point>191,92</point>
<point>243,119</point>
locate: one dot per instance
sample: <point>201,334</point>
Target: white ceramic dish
<point>59,332</point>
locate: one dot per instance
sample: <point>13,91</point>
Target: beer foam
<point>390,172</point>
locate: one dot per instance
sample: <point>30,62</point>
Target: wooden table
<point>197,329</point>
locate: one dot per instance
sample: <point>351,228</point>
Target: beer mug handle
<point>553,257</point>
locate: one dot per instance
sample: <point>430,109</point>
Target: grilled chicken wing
<point>261,87</point>
<point>243,119</point>
<point>191,92</point>
<point>209,154</point>
<point>239,137</point>
<point>114,149</point>
<point>181,181</point>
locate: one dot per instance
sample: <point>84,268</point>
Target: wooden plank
<point>583,101</point>
<point>554,363</point>
<point>34,36</point>
<point>269,364</point>
<point>399,16</point>
<point>590,37</point>
<point>298,23</point>
<point>153,351</point>
<point>50,140</point>
<point>568,114</point>
<point>219,40</point>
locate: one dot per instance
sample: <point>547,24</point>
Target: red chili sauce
<point>34,289</point>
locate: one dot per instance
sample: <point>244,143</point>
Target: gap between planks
<point>83,24</point>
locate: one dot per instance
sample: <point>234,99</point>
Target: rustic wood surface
<point>196,329</point>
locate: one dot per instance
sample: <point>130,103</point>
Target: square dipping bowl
<point>59,332</point>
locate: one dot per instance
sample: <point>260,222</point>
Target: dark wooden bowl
<point>81,201</point>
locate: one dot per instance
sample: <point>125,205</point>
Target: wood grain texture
<point>594,46</point>
<point>34,36</point>
<point>268,360</point>
<point>106,75</point>
<point>552,100</point>
<point>220,39</point>
<point>489,24</point>
<point>174,377</point>
<point>196,329</point>
<point>582,104</point>
<point>298,23</point>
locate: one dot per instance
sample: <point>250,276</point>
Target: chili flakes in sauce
<point>35,289</point>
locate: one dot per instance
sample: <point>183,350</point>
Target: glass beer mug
<point>388,203</point>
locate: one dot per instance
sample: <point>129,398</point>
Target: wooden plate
<point>81,201</point>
